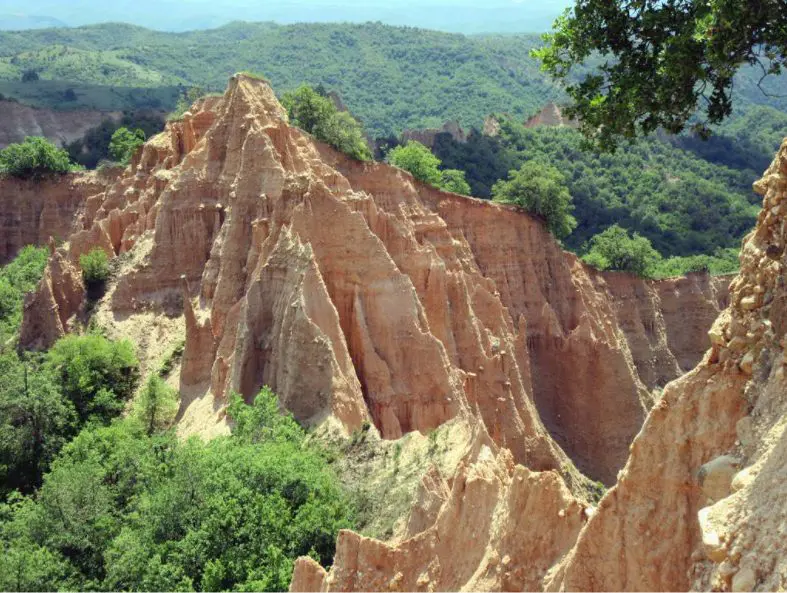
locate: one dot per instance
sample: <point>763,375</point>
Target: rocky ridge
<point>412,306</point>
<point>698,505</point>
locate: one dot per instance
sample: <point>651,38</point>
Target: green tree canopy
<point>318,115</point>
<point>616,249</point>
<point>418,160</point>
<point>125,143</point>
<point>540,189</point>
<point>95,266</point>
<point>661,61</point>
<point>453,180</point>
<point>35,158</point>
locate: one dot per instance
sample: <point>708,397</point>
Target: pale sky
<point>466,16</point>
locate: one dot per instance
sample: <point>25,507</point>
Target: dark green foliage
<point>95,266</point>
<point>16,279</point>
<point>663,61</point>
<point>418,160</point>
<point>124,144</point>
<point>30,76</point>
<point>36,421</point>
<point>616,249</point>
<point>484,160</point>
<point>540,189</point>
<point>97,375</point>
<point>94,146</point>
<point>319,116</point>
<point>35,158</point>
<point>683,204</point>
<point>122,510</point>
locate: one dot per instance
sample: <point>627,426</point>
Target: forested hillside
<point>392,78</point>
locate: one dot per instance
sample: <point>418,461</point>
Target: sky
<point>460,16</point>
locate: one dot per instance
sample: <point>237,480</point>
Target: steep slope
<point>32,212</point>
<point>698,505</point>
<point>18,121</point>
<point>357,293</point>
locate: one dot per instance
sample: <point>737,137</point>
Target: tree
<point>318,115</point>
<point>454,181</point>
<point>124,144</point>
<point>660,59</point>
<point>95,374</point>
<point>95,266</point>
<point>417,159</point>
<point>540,189</point>
<point>35,158</point>
<point>157,405</point>
<point>615,249</point>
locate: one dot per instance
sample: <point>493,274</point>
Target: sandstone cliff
<point>18,121</point>
<point>356,292</point>
<point>699,504</point>
<point>32,212</point>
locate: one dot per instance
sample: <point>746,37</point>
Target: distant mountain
<point>460,16</point>
<point>23,22</point>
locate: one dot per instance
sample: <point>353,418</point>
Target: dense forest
<point>391,78</point>
<point>98,493</point>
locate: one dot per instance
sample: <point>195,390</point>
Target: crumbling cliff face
<point>357,293</point>
<point>32,212</point>
<point>699,504</point>
<point>18,121</point>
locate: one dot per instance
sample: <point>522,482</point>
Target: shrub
<point>540,189</point>
<point>615,249</point>
<point>454,181</point>
<point>95,267</point>
<point>157,405</point>
<point>319,116</point>
<point>124,144</point>
<point>97,375</point>
<point>418,160</point>
<point>30,75</point>
<point>35,158</point>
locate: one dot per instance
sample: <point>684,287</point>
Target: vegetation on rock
<point>540,189</point>
<point>95,267</point>
<point>319,116</point>
<point>124,144</point>
<point>35,158</point>
<point>418,160</point>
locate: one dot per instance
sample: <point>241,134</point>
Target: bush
<point>35,158</point>
<point>418,160</point>
<point>97,375</point>
<point>454,181</point>
<point>615,249</point>
<point>16,279</point>
<point>157,405</point>
<point>540,189</point>
<point>318,115</point>
<point>95,267</point>
<point>30,75</point>
<point>124,144</point>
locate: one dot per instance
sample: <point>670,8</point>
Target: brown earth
<point>31,212</point>
<point>18,121</point>
<point>699,504</point>
<point>410,307</point>
<point>357,293</point>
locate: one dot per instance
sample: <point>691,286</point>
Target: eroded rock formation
<point>700,501</point>
<point>356,292</point>
<point>31,212</point>
<point>18,121</point>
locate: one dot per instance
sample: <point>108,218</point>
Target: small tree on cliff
<point>124,144</point>
<point>318,115</point>
<point>418,160</point>
<point>615,249</point>
<point>540,189</point>
<point>35,158</point>
<point>661,59</point>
